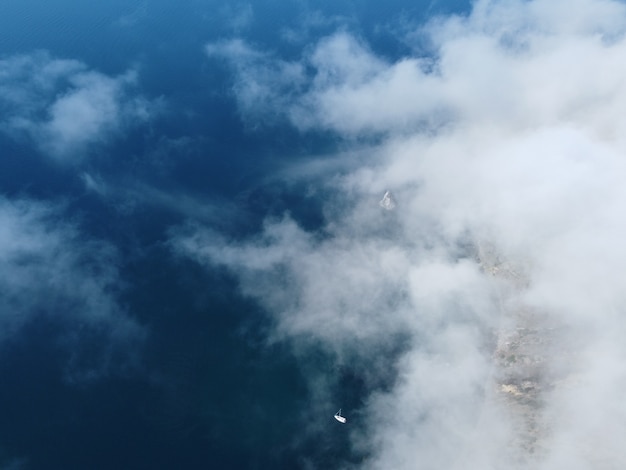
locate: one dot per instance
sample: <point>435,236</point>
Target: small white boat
<point>340,418</point>
<point>388,202</point>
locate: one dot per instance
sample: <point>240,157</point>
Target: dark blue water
<point>204,390</point>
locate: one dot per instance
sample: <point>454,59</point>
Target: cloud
<point>264,85</point>
<point>311,22</point>
<point>482,62</point>
<point>237,16</point>
<point>50,272</point>
<point>64,107</point>
<point>134,16</point>
<point>502,262</point>
<point>129,196</point>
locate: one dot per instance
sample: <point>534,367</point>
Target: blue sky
<point>190,222</point>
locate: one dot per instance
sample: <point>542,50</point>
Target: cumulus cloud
<point>50,273</point>
<point>478,65</point>
<point>502,262</point>
<point>64,107</point>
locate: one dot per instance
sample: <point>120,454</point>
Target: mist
<point>499,270</point>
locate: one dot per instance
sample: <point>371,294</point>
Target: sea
<point>205,386</point>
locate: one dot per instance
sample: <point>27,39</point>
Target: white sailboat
<point>340,418</point>
<point>387,202</point>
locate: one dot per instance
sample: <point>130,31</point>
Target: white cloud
<point>129,196</point>
<point>264,85</point>
<point>500,63</point>
<point>509,134</point>
<point>64,107</point>
<point>48,270</point>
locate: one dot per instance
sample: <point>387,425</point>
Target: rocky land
<point>531,362</point>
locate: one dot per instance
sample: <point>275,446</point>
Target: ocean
<point>118,351</point>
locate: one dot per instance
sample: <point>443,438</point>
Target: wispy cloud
<point>129,196</point>
<point>237,16</point>
<point>481,65</point>
<point>264,85</point>
<point>64,107</point>
<point>50,272</point>
<point>134,16</point>
<point>507,134</point>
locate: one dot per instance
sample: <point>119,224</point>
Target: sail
<point>340,418</point>
<point>387,202</point>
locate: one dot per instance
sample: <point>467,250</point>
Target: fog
<point>501,138</point>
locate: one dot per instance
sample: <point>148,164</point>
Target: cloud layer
<point>504,129</point>
<point>64,107</point>
<point>51,273</point>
